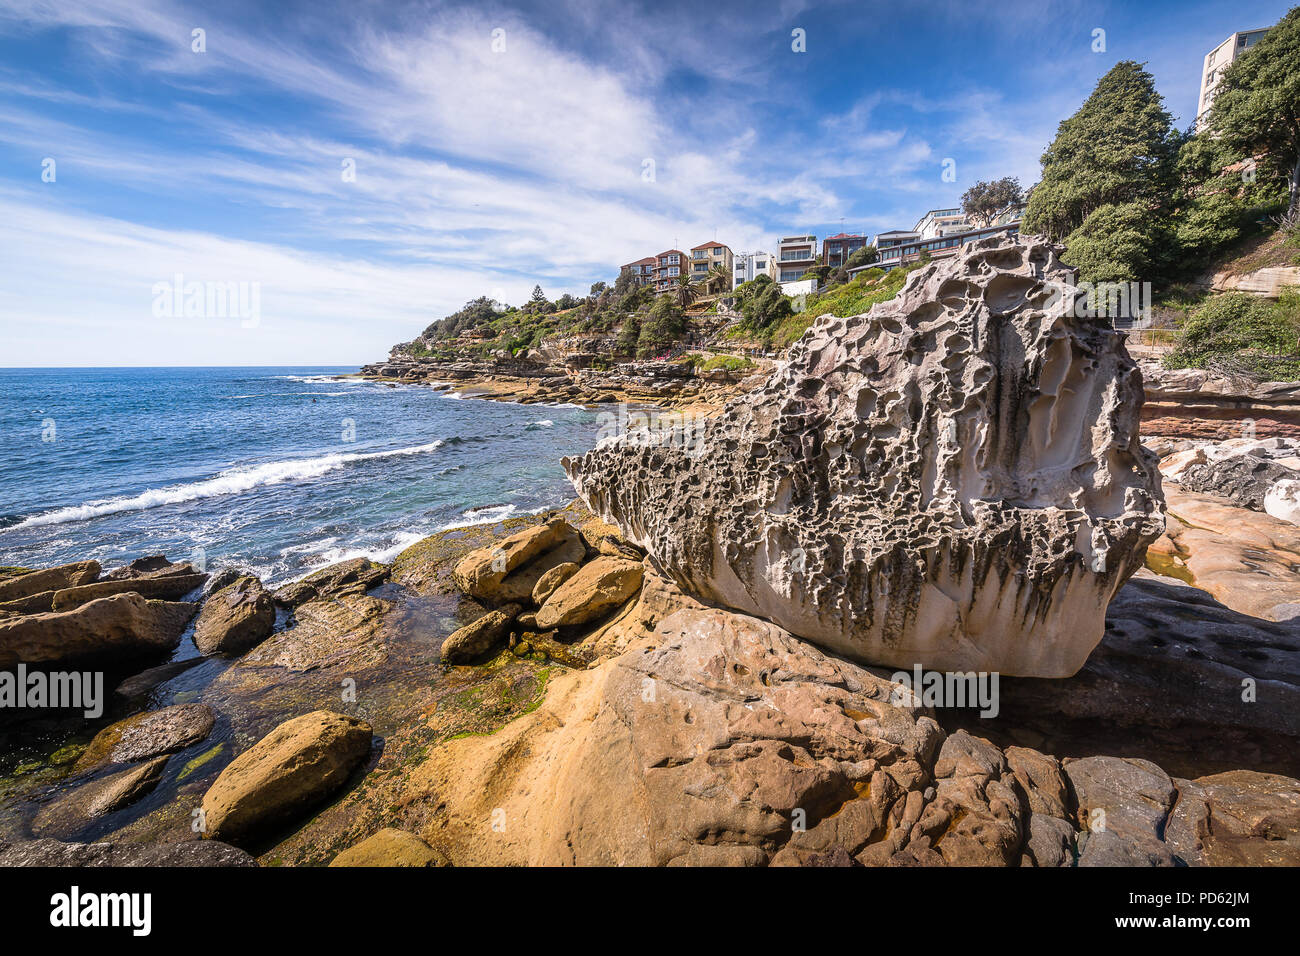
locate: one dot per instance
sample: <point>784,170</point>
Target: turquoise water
<point>276,470</point>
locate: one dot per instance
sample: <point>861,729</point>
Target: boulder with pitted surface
<point>953,479</point>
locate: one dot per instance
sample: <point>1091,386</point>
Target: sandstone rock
<point>1244,479</point>
<point>152,566</point>
<point>1239,818</point>
<point>293,767</point>
<point>391,847</point>
<point>344,631</point>
<point>50,579</point>
<point>954,479</point>
<point>1050,842</point>
<point>1193,403</point>
<point>477,638</point>
<point>509,571</point>
<point>600,586</point>
<point>99,797</point>
<point>1268,281</point>
<point>1244,558</point>
<point>239,616</point>
<point>1041,781</point>
<point>697,750</point>
<point>976,818</point>
<point>1123,805</point>
<point>169,587</point>
<point>149,734</point>
<point>120,625</point>
<point>551,580</point>
<point>150,678</point>
<point>223,578</point>
<point>355,576</point>
<point>188,853</point>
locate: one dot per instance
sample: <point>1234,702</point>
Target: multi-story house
<point>795,255</point>
<point>1218,60</point>
<point>942,222</point>
<point>937,247</point>
<point>668,266</point>
<point>751,265</point>
<point>895,237</point>
<point>643,270</point>
<point>707,256</point>
<point>837,249</point>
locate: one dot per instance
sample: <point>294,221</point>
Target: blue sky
<point>485,171</point>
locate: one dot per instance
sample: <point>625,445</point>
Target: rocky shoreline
<point>545,378</point>
<point>705,660</point>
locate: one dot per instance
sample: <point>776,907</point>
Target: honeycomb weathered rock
<point>953,479</point>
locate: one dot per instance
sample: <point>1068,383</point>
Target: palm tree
<point>684,291</point>
<point>718,277</point>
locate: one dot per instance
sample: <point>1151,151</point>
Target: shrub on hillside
<point>1240,333</point>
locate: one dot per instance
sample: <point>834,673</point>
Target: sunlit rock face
<point>953,479</point>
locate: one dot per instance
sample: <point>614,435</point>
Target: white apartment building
<point>942,222</point>
<point>751,265</point>
<point>1218,60</point>
<point>795,255</point>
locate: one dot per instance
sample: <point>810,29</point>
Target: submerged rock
<point>100,797</point>
<point>187,853</point>
<point>294,766</point>
<point>954,479</point>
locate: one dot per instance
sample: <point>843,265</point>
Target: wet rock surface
<point>355,576</point>
<point>149,734</point>
<point>49,852</point>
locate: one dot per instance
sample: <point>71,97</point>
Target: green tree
<point>1220,200</point>
<point>983,200</point>
<point>663,326</point>
<point>1257,105</point>
<point>1118,150</point>
<point>628,335</point>
<point>538,295</point>
<point>862,257</point>
<point>762,304</point>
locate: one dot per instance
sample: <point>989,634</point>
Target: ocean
<point>279,471</point>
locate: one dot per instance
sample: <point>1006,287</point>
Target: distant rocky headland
<point>738,645</point>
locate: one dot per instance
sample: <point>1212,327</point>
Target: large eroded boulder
<point>953,479</point>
